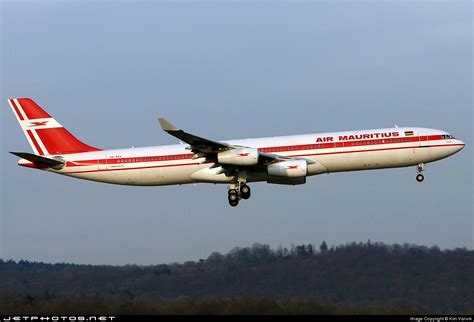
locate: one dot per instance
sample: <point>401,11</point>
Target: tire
<point>420,178</point>
<point>245,191</point>
<point>233,203</point>
<point>233,195</point>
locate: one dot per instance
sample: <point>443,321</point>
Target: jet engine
<point>239,156</point>
<point>288,169</point>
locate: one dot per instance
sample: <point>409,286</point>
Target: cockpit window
<point>447,136</point>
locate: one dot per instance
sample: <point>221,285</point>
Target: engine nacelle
<point>240,156</point>
<point>288,169</point>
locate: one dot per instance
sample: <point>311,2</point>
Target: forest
<point>365,278</point>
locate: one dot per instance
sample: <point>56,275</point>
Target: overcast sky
<point>107,70</point>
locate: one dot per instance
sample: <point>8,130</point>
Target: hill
<point>351,275</point>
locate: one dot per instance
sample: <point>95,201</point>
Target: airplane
<point>285,160</point>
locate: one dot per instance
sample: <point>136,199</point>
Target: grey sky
<point>107,70</point>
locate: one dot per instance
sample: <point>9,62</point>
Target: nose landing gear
<point>420,177</point>
<point>236,192</point>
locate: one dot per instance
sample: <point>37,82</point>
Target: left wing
<point>208,148</point>
<point>197,144</point>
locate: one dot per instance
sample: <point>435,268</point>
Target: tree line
<point>353,275</point>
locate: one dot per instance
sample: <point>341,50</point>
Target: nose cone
<point>460,145</point>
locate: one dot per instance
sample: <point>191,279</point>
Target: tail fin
<point>45,135</point>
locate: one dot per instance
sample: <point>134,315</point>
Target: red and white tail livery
<point>45,135</point>
<point>285,160</point>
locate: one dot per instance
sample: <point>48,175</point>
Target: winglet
<point>197,143</point>
<point>167,126</point>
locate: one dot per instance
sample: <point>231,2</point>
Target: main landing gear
<point>236,192</point>
<point>419,176</point>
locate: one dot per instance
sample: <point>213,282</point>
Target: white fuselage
<point>331,152</point>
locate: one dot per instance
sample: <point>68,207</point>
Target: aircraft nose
<point>461,145</point>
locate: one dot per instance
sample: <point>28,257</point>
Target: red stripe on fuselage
<point>137,168</point>
<point>273,149</point>
<point>376,150</point>
<point>302,147</point>
<point>300,155</point>
<point>344,144</point>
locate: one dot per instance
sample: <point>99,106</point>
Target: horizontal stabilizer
<point>36,159</point>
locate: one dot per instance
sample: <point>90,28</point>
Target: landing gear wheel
<point>234,203</point>
<point>233,197</point>
<point>420,178</point>
<point>245,191</point>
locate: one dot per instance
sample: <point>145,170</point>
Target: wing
<point>208,148</point>
<point>197,144</point>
